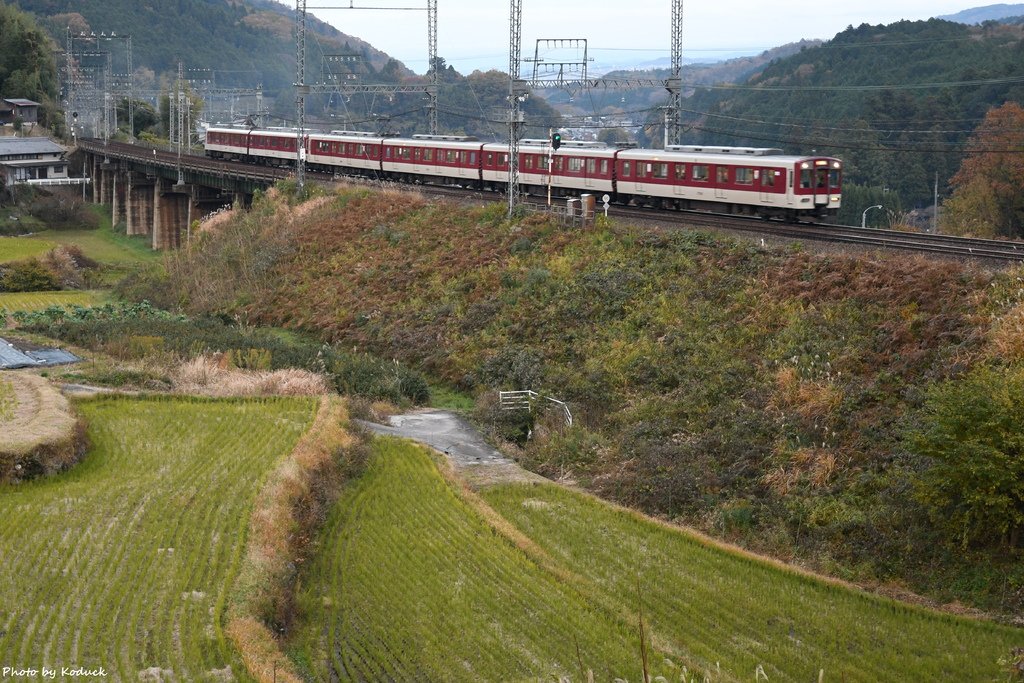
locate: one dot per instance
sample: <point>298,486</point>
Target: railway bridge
<point>159,194</point>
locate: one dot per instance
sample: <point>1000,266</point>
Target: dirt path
<point>473,458</point>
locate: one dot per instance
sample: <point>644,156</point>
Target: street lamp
<point>864,216</point>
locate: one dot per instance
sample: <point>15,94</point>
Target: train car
<point>740,180</point>
<point>425,158</point>
<point>276,147</point>
<point>345,151</point>
<point>227,143</point>
<point>575,167</point>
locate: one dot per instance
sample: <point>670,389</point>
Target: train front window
<point>834,177</point>
<point>805,178</point>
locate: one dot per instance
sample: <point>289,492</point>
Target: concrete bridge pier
<point>119,213</point>
<point>171,213</point>
<point>139,204</point>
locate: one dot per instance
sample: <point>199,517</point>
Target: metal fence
<point>525,400</point>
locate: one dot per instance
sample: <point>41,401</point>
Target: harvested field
<point>39,434</point>
<point>126,562</point>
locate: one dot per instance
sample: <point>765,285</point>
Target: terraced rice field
<point>37,301</point>
<point>411,584</point>
<point>18,248</point>
<point>125,562</point>
<point>722,609</point>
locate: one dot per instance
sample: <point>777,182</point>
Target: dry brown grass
<point>810,400</point>
<point>816,466</point>
<point>288,511</point>
<point>40,435</point>
<point>1006,338</point>
<point>206,376</point>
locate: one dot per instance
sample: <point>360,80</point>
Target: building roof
<point>12,146</point>
<point>21,103</point>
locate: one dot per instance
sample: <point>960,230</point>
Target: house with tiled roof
<point>15,109</point>
<point>25,160</point>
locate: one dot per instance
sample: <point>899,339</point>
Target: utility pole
<point>674,85</point>
<point>517,92</point>
<point>301,89</point>
<point>432,56</point>
<point>179,96</point>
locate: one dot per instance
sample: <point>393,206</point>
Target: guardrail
<point>524,400</point>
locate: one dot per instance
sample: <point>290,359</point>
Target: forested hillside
<point>897,102</point>
<point>246,43</point>
<point>27,67</point>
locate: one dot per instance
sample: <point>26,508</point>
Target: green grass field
<point>18,248</point>
<point>412,583</point>
<point>722,609</point>
<point>125,562</point>
<point>37,301</point>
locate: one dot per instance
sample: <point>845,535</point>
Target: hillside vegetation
<point>126,561</point>
<point>769,397</point>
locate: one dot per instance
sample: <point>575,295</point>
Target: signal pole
<point>300,93</point>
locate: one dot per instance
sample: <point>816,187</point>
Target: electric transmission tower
<point>571,76</point>
<point>334,86</point>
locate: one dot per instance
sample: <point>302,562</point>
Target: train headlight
<point>834,198</point>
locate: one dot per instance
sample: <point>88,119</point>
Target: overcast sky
<point>473,34</point>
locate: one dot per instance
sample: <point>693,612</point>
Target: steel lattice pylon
<point>300,92</point>
<point>516,91</point>
<point>674,85</point>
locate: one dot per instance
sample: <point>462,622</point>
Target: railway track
<point>945,245</point>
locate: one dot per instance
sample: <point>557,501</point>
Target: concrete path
<point>473,458</point>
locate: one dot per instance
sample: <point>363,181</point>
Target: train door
<point>678,179</point>
<point>820,185</point>
<point>590,170</point>
<point>766,182</point>
<point>721,182</point>
<point>642,171</point>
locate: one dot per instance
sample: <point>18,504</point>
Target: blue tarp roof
<point>12,357</point>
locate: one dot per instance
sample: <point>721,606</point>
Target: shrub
<point>972,430</point>
<point>27,276</point>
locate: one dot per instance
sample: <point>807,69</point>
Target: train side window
<point>576,165</point>
<point>680,171</point>
<point>661,171</point>
<point>744,176</point>
<point>504,160</point>
<point>626,169</point>
<point>472,158</point>
<point>722,175</point>
<point>768,178</point>
<point>542,163</point>
<point>449,156</point>
<point>428,155</point>
<point>700,173</point>
<point>591,166</point>
<point>387,152</point>
<point>490,159</point>
<point>604,167</point>
<point>805,178</point>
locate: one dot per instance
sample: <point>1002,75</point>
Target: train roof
<point>716,157</point>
